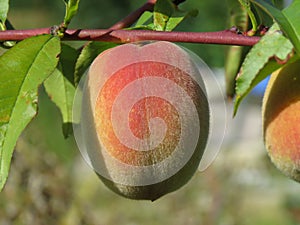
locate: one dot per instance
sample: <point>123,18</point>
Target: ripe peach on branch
<point>145,118</point>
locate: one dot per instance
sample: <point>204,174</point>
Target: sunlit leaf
<point>293,16</point>
<point>272,44</point>
<point>167,16</point>
<point>145,17</point>
<point>71,10</point>
<point>163,10</point>
<point>4,5</point>
<point>288,20</point>
<point>23,68</point>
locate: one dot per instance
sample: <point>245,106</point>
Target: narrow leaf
<point>23,68</point>
<point>167,16</point>
<point>7,26</point>
<point>71,10</point>
<point>247,6</point>
<point>272,44</point>
<point>292,15</point>
<point>178,17</point>
<point>144,18</point>
<point>238,15</point>
<point>60,85</point>
<point>288,20</point>
<point>235,54</point>
<point>144,22</point>
<point>4,5</point>
<point>87,55</point>
<point>163,10</point>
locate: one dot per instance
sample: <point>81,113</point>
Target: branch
<point>226,37</point>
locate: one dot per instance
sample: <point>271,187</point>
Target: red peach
<point>150,118</point>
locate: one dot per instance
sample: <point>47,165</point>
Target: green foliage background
<point>50,183</point>
<point>102,14</point>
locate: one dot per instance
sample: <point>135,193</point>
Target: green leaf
<point>87,55</point>
<point>235,54</point>
<point>288,20</point>
<point>5,26</point>
<point>167,16</point>
<point>292,15</point>
<point>71,10</point>
<point>238,15</point>
<point>143,23</point>
<point>23,68</point>
<point>4,6</point>
<point>163,10</point>
<point>234,57</point>
<point>247,6</point>
<point>149,26</point>
<point>60,86</point>
<point>177,17</point>
<point>272,44</point>
<point>144,18</point>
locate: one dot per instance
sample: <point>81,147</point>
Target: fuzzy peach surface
<point>281,119</point>
<point>284,134</point>
<point>145,118</point>
<point>142,111</point>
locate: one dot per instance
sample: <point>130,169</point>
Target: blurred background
<point>49,182</point>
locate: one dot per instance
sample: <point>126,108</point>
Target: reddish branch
<point>114,34</point>
<point>226,37</point>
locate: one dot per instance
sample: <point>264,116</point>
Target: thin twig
<point>225,37</point>
<point>132,17</point>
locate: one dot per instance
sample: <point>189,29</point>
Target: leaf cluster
<point>278,47</point>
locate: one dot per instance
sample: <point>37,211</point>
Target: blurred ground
<point>50,183</point>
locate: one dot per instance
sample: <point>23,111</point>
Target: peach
<point>281,119</point>
<point>146,118</point>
